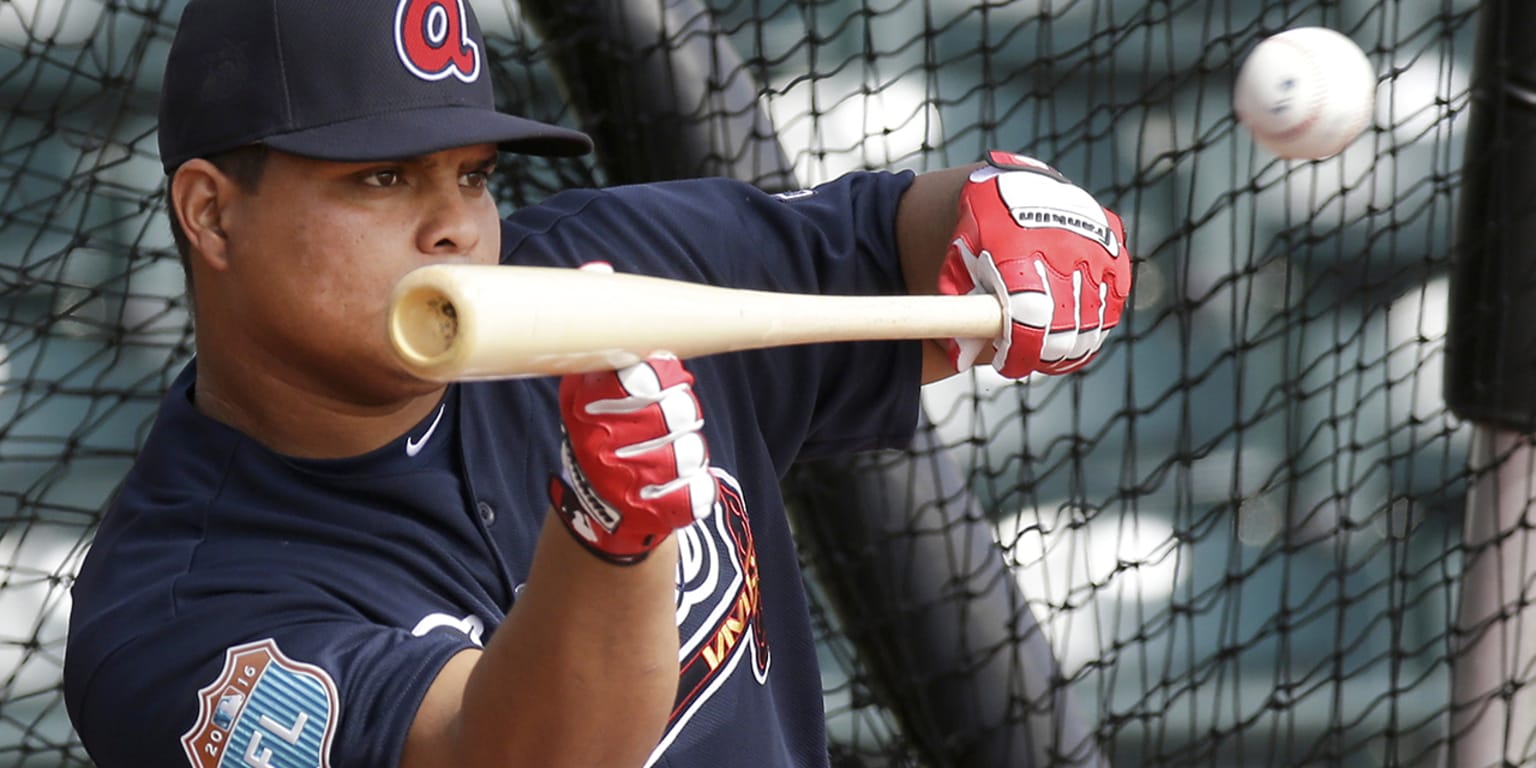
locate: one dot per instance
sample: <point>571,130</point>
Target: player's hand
<point>634,463</point>
<point>1054,258</point>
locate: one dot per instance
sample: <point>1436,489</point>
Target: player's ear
<point>200,197</point>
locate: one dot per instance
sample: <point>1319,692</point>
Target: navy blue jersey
<point>239,607</point>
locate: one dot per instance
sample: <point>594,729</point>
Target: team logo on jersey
<point>798,194</point>
<point>432,38</point>
<point>264,710</point>
<point>719,607</point>
<point>470,626</point>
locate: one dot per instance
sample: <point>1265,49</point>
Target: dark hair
<point>244,165</point>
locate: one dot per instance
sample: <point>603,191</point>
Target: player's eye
<point>385,177</point>
<point>479,178</point>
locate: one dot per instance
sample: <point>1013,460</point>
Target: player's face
<point>321,244</point>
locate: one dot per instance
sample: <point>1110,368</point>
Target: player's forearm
<point>925,222</point>
<point>584,669</point>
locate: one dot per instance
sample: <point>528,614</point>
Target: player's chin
<point>396,382</point>
<point>375,378</point>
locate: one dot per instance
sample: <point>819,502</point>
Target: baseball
<point>1305,93</point>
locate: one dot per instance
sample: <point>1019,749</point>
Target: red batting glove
<point>635,466</point>
<point>1053,257</point>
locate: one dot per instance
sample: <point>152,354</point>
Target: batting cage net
<point>1235,539</point>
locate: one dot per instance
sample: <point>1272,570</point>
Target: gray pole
<point>928,597</point>
<point>1493,718</point>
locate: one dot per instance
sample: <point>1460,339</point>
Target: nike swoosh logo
<point>413,447</point>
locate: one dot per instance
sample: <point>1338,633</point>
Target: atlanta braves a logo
<point>432,38</point>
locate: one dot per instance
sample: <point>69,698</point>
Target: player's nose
<point>450,224</point>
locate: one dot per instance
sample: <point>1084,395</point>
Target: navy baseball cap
<point>347,80</point>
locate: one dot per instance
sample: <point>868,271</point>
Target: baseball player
<point>318,560</point>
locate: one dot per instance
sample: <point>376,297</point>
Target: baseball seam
<point>1315,108</point>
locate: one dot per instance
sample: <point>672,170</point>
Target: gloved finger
<point>638,387</point>
<point>1061,339</point>
<point>1092,329</point>
<point>1031,309</point>
<point>699,489</point>
<point>967,273</point>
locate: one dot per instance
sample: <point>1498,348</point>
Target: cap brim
<point>418,132</point>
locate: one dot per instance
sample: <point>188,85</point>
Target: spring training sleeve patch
<point>266,710</point>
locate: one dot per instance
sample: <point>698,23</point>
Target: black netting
<point>1234,540</point>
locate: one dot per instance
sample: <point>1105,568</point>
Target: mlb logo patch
<point>266,710</point>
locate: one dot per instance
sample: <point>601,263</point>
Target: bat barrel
<point>424,326</point>
<point>459,322</point>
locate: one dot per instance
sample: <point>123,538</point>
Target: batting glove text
<point>1055,259</point>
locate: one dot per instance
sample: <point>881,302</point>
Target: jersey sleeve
<point>271,679</point>
<point>838,238</point>
<point>239,609</point>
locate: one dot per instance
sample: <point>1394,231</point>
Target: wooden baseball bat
<point>461,322</point>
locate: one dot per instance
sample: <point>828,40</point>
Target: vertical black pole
<point>1491,348</point>
<point>661,90</point>
<point>1491,380</point>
